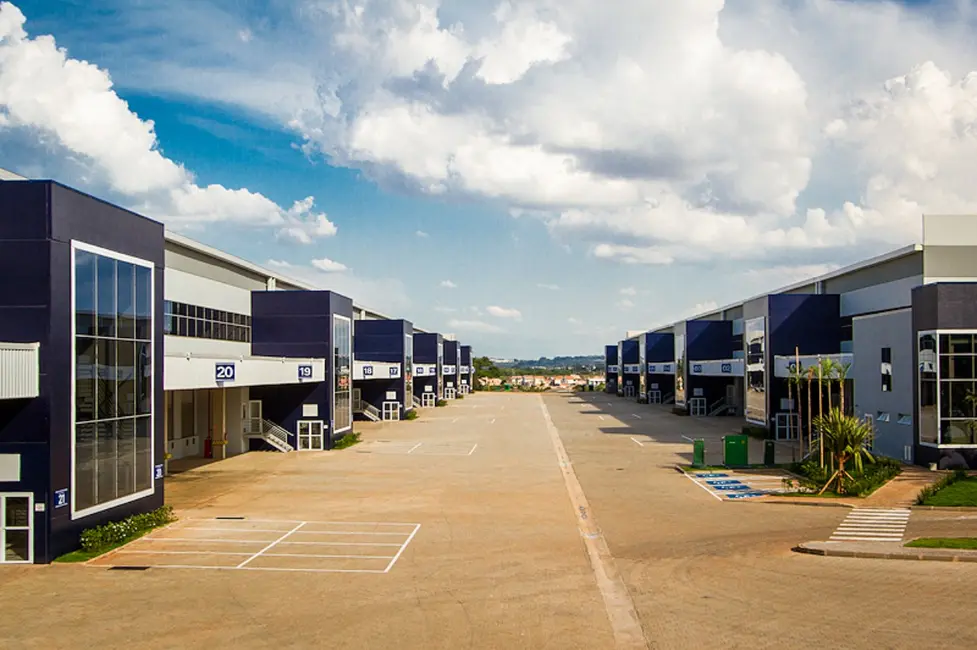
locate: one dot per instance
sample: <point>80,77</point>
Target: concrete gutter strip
<point>885,551</point>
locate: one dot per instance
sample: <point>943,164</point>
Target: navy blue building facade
<point>630,367</point>
<point>660,366</point>
<point>385,342</point>
<point>450,366</point>
<point>306,324</point>
<point>610,369</point>
<point>708,340</point>
<point>467,371</point>
<point>85,280</point>
<point>428,359</point>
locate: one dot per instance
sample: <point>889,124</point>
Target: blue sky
<point>570,185</point>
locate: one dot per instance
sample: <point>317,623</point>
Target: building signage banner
<point>612,369</point>
<point>465,370</point>
<point>375,370</point>
<point>632,369</point>
<point>784,364</point>
<point>720,368</point>
<point>61,498</point>
<point>449,370</point>
<point>661,368</point>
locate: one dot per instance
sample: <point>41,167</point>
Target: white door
<point>252,416</point>
<point>310,436</point>
<point>391,410</point>
<point>654,397</point>
<point>449,393</point>
<point>698,406</point>
<point>16,530</point>
<point>629,391</point>
<point>427,400</point>
<point>786,426</point>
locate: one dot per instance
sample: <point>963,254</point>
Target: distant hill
<point>555,362</point>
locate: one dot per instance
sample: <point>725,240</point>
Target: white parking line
<point>280,539</point>
<point>415,447</point>
<point>601,417</point>
<point>636,416</point>
<point>493,421</point>
<point>402,548</point>
<point>473,449</point>
<point>714,495</point>
<point>455,420</point>
<point>637,442</point>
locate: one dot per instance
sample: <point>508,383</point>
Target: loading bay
<point>500,521</point>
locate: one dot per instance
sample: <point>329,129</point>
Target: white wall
<point>880,297</point>
<point>199,372</point>
<point>195,290</point>
<point>180,346</point>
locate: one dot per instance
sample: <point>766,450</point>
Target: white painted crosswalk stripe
<point>872,525</point>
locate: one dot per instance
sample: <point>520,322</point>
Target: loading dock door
<point>16,530</point>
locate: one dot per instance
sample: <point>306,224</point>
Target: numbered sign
<point>696,368</point>
<point>667,367</point>
<point>305,371</point>
<point>367,371</point>
<point>419,370</point>
<point>726,368</point>
<point>224,372</point>
<point>158,472</point>
<point>61,498</point>
<point>394,371</point>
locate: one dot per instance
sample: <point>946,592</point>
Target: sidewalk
<point>884,551</point>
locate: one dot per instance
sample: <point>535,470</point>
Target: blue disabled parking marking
<point>731,481</point>
<point>745,495</point>
<point>710,475</point>
<point>731,488</point>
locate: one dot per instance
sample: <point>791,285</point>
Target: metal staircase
<point>269,432</point>
<point>719,407</point>
<point>669,399</point>
<point>367,410</point>
<point>417,402</point>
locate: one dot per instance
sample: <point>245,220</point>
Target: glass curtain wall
<point>342,405</point>
<point>680,396</point>
<point>642,368</point>
<point>408,371</point>
<point>113,378</point>
<point>948,388</point>
<point>754,338</point>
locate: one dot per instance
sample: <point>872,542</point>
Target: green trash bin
<point>698,453</point>
<point>736,450</point>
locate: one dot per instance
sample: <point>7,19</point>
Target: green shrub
<point>873,476</point>
<point>347,440</point>
<point>411,415</point>
<point>946,481</point>
<point>441,402</point>
<point>103,538</point>
<point>459,396</point>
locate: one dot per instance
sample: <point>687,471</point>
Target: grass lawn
<point>945,542</point>
<point>961,493</point>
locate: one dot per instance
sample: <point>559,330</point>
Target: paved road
<point>499,560</point>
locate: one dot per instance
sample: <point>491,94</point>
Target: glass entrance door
<point>391,411</point>
<point>252,416</point>
<point>16,531</point>
<point>427,400</point>
<point>310,436</point>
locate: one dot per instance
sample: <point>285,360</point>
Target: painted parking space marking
<point>732,485</point>
<point>269,545</point>
<point>637,442</point>
<point>873,525</point>
<point>415,448</point>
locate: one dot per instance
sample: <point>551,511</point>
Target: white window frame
<point>391,408</point>
<point>698,406</point>
<point>322,434</point>
<point>449,393</point>
<point>919,388</point>
<point>30,526</point>
<point>428,400</point>
<point>654,397</point>
<point>119,257</point>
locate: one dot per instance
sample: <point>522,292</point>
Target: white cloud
<point>67,110</point>
<point>625,304</point>
<point>422,234</point>
<point>474,326</point>
<point>573,321</point>
<point>628,291</point>
<point>245,35</point>
<point>445,310</point>
<point>549,287</point>
<point>327,265</point>
<point>306,226</point>
<point>448,284</point>
<point>504,312</point>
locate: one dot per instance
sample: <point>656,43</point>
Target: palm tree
<point>841,371</point>
<point>844,437</point>
<point>795,378</point>
<point>811,370</point>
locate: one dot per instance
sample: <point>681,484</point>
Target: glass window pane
<point>107,310</point>
<point>927,412</point>
<point>192,327</point>
<point>961,367</point>
<point>144,460</point>
<point>945,367</point>
<point>17,512</point>
<point>959,344</point>
<point>144,378</point>
<point>958,432</point>
<point>144,306</point>
<point>181,326</point>
<point>126,446</point>
<point>106,460</point>
<point>126,300</point>
<point>126,369</point>
<point>944,343</point>
<point>84,293</point>
<point>84,379</point>
<point>16,546</point>
<point>106,387</point>
<point>168,324</point>
<point>181,308</point>
<point>85,466</point>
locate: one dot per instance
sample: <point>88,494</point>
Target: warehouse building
<point>383,369</point>
<point>899,331</point>
<point>466,372</point>
<point>428,361</point>
<point>99,305</point>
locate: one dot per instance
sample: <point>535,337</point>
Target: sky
<point>535,177</point>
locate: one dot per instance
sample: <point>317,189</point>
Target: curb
<point>879,555</point>
<point>797,502</point>
<point>945,508</point>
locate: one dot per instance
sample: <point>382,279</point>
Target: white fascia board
<point>198,372</point>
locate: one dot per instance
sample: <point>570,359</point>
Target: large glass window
<point>643,378</point>
<point>183,319</point>
<point>957,398</point>
<point>754,338</point>
<point>928,415</point>
<point>679,370</point>
<point>408,371</point>
<point>112,380</point>
<point>342,341</point>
